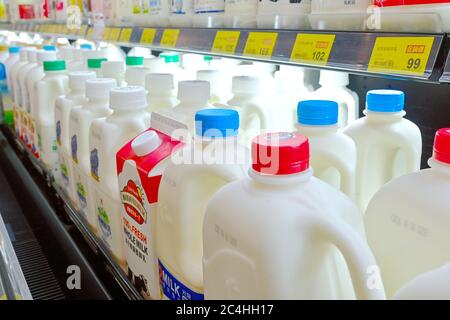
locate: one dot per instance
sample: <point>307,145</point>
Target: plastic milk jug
<point>219,83</point>
<point>387,145</point>
<point>195,173</point>
<point>251,225</point>
<point>135,72</point>
<point>54,84</point>
<point>140,164</point>
<point>334,87</point>
<point>283,14</point>
<point>407,221</point>
<point>63,106</point>
<point>34,76</point>
<point>8,106</point>
<point>240,13</point>
<point>106,137</point>
<point>6,117</point>
<point>22,83</point>
<point>333,154</point>
<point>181,13</point>
<point>161,94</point>
<point>96,66</point>
<point>208,13</point>
<point>114,70</point>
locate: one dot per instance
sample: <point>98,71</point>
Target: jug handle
<point>263,118</point>
<point>412,160</point>
<point>356,253</point>
<point>347,179</point>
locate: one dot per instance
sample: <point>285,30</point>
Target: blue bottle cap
<point>14,49</point>
<point>2,72</point>
<point>385,100</point>
<point>49,48</point>
<point>86,46</point>
<point>217,123</point>
<point>317,112</point>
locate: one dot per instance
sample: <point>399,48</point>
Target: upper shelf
<point>398,55</point>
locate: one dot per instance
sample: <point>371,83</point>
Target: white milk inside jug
<point>333,154</point>
<point>161,93</point>
<point>251,225</point>
<point>220,85</point>
<point>195,173</point>
<point>96,66</point>
<point>114,70</point>
<point>135,72</point>
<point>240,13</point>
<point>339,14</point>
<point>80,120</point>
<point>192,63</point>
<point>333,86</point>
<point>208,13</point>
<point>283,14</point>
<point>252,112</point>
<point>181,13</point>
<point>407,221</point>
<point>172,65</point>
<point>387,145</point>
<point>54,84</point>
<point>106,137</point>
<point>63,106</point>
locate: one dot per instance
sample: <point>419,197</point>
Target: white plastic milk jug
<point>54,84</point>
<point>63,106</point>
<point>106,137</point>
<point>161,93</point>
<point>135,72</point>
<point>387,145</point>
<point>283,14</point>
<point>283,234</point>
<point>407,221</point>
<point>220,85</point>
<point>80,120</point>
<point>96,65</point>
<point>195,173</point>
<point>8,105</point>
<point>114,70</point>
<point>333,154</point>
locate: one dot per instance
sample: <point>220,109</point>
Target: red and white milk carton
<point>140,164</point>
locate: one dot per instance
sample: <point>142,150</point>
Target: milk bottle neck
<point>53,74</point>
<point>311,131</point>
<point>384,117</point>
<point>281,180</point>
<point>439,166</point>
<point>193,104</point>
<point>95,104</point>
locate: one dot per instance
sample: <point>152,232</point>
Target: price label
<point>401,55</point>
<point>125,35</point>
<point>114,34</point>
<point>170,38</point>
<point>148,35</point>
<point>226,41</point>
<point>90,34</point>
<point>312,48</point>
<point>260,44</point>
<point>106,34</point>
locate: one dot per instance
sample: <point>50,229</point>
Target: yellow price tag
<point>82,31</point>
<point>226,41</point>
<point>401,55</point>
<point>260,44</point>
<point>106,34</point>
<point>148,35</point>
<point>114,34</point>
<point>125,35</point>
<point>90,34</point>
<point>312,48</point>
<point>170,38</point>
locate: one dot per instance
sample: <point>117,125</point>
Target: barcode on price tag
<point>313,48</point>
<point>226,41</point>
<point>401,55</point>
<point>260,44</point>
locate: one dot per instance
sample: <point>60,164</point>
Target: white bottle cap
<point>136,76</point>
<point>245,84</point>
<point>156,82</point>
<point>66,53</point>
<point>46,56</point>
<point>146,143</point>
<point>333,78</point>
<point>128,98</point>
<point>32,55</point>
<point>77,79</point>
<point>113,69</point>
<point>99,88</point>
<point>194,90</point>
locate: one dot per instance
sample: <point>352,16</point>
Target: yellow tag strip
<point>148,36</point>
<point>125,35</point>
<point>313,48</point>
<point>170,38</point>
<point>114,34</point>
<point>226,41</point>
<point>90,34</point>
<point>106,34</point>
<point>401,55</point>
<point>260,44</point>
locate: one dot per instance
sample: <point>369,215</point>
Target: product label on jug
<point>58,132</point>
<point>64,174</point>
<point>105,225</point>
<point>82,196</point>
<point>173,289</point>
<point>94,165</point>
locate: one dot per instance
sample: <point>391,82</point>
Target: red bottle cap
<point>280,153</point>
<point>442,145</point>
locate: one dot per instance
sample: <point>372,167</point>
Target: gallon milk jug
<point>252,113</point>
<point>220,85</point>
<point>140,164</point>
<point>114,70</point>
<point>240,13</point>
<point>387,145</point>
<point>181,13</point>
<point>432,285</point>
<point>407,221</point>
<point>208,13</point>
<point>8,106</point>
<point>172,65</point>
<point>135,72</point>
<point>333,86</point>
<point>333,154</point>
<point>80,120</point>
<point>192,96</point>
<point>283,14</point>
<point>106,137</point>
<point>63,106</point>
<point>195,173</point>
<point>34,76</point>
<point>192,63</point>
<point>54,84</point>
<point>96,66</point>
<point>251,226</point>
<point>160,89</point>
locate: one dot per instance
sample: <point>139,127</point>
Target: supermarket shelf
<point>446,74</point>
<point>94,243</point>
<point>406,55</point>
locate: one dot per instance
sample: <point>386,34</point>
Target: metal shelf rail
<point>400,55</point>
<point>77,219</point>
